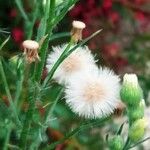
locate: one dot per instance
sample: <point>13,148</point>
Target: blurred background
<point>123,45</point>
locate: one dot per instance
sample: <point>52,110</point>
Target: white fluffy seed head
<point>95,94</point>
<point>81,60</point>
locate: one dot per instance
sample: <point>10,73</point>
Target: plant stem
<point>140,142</point>
<point>49,113</point>
<point>20,7</point>
<point>33,21</point>
<point>59,35</point>
<point>18,90</point>
<point>28,119</point>
<point>56,65</point>
<point>51,109</point>
<point>44,47</point>
<point>5,147</point>
<point>52,10</point>
<point>3,44</point>
<point>13,108</point>
<point>126,143</point>
<point>75,131</point>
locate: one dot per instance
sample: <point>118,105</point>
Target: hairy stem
<point>13,108</point>
<point>77,130</point>
<point>140,142</point>
<point>28,120</point>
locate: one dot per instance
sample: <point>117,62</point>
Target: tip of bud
<point>78,24</point>
<point>29,44</point>
<point>130,78</point>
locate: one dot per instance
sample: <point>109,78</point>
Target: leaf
<point>121,128</point>
<point>4,43</point>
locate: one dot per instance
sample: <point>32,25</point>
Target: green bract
<point>116,143</point>
<point>136,112</point>
<point>137,130</point>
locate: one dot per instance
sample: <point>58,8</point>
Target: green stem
<point>3,44</point>
<point>5,147</point>
<point>140,142</point>
<point>126,144</point>
<point>49,113</point>
<point>51,109</point>
<point>18,91</point>
<point>20,7</point>
<point>14,109</point>
<point>52,10</point>
<point>64,11</point>
<point>33,21</point>
<point>27,122</point>
<point>59,35</point>
<point>44,47</point>
<point>56,65</point>
<point>75,131</point>
<point>39,66</point>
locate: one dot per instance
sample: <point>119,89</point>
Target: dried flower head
<point>95,94</point>
<point>79,61</point>
<point>31,50</point>
<point>77,27</point>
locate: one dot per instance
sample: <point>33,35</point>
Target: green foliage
<point>116,143</point>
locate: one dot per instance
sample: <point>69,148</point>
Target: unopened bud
<point>131,93</point>
<point>116,143</point>
<point>137,130</point>
<point>136,112</point>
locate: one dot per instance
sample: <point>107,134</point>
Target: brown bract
<point>76,33</point>
<point>31,50</point>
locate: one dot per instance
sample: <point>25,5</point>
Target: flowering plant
<point>66,76</point>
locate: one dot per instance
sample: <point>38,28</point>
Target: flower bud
<point>137,130</point>
<point>136,112</point>
<point>131,93</point>
<point>116,143</point>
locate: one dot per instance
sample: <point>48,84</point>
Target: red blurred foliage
<point>17,35</point>
<point>140,16</point>
<point>111,50</point>
<point>13,13</point>
<point>5,100</point>
<point>107,5</point>
<point>102,14</point>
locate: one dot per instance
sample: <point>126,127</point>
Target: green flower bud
<point>116,143</point>
<point>131,93</point>
<point>136,112</point>
<point>137,130</point>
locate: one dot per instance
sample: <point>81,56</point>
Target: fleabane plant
<point>91,92</point>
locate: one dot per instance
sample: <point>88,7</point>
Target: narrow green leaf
<point>4,43</point>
